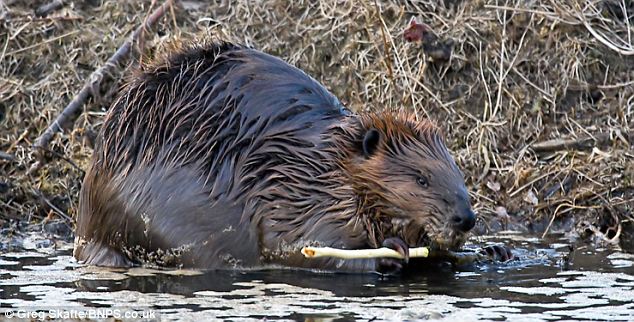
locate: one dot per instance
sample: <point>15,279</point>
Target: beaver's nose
<point>464,220</point>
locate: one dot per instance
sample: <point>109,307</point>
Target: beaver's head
<point>408,183</point>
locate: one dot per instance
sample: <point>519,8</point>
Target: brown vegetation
<point>536,98</point>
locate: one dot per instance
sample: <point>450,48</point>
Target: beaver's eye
<point>422,181</point>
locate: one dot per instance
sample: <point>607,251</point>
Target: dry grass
<point>521,72</point>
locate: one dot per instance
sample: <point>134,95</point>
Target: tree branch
<point>72,111</point>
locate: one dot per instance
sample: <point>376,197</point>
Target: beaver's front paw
<point>500,253</point>
<point>393,265</point>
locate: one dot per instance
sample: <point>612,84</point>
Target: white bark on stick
<point>313,252</point>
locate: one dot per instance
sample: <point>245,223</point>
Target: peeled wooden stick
<point>313,252</point>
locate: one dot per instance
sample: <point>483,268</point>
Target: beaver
<point>220,156</point>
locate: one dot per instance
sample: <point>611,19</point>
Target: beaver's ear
<point>371,142</point>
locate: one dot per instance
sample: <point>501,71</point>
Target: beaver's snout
<point>463,221</point>
<point>464,218</point>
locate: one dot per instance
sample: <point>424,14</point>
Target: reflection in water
<point>599,284</point>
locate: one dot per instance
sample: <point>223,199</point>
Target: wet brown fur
<point>221,156</point>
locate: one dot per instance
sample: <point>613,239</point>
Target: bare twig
<point>612,41</point>
<point>41,196</point>
<point>73,109</point>
<point>626,51</point>
<point>42,43</point>
<point>386,47</point>
<point>47,8</point>
<point>38,164</point>
<point>47,19</point>
<point>574,144</point>
<point>6,156</point>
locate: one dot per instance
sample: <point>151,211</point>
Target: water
<point>595,284</point>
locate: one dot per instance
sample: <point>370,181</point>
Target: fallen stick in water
<point>313,252</point>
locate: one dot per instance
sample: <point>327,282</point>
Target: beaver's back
<point>187,147</point>
<point>215,103</point>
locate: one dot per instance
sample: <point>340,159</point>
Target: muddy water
<point>546,283</point>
